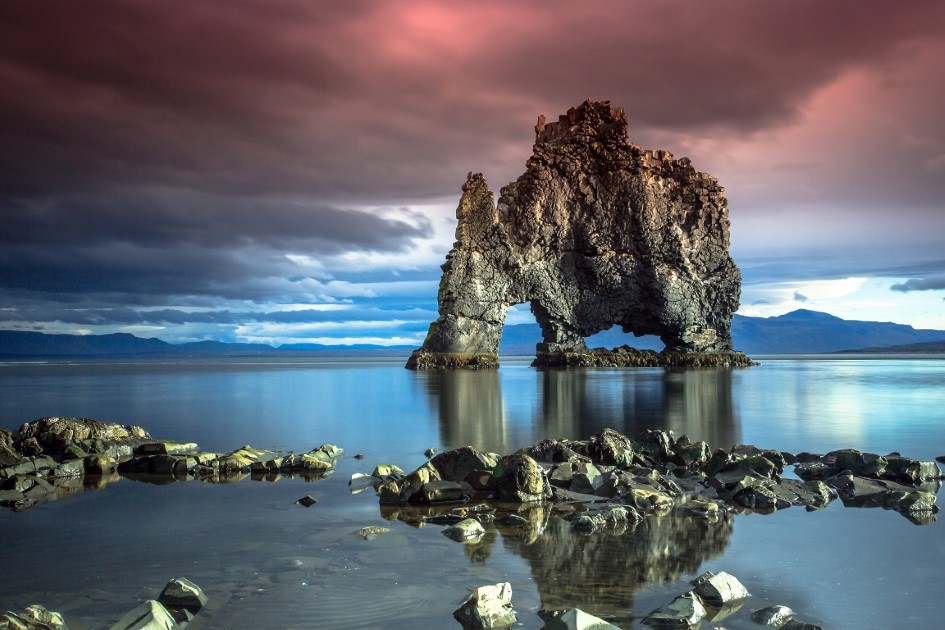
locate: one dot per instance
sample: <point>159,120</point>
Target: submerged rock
<point>773,616</point>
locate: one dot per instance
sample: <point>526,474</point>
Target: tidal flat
<point>265,561</point>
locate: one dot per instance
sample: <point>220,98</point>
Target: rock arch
<point>596,232</point>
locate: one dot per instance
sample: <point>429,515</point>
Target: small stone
<point>719,588</point>
<point>773,616</point>
<point>181,593</point>
<point>149,615</point>
<point>33,617</point>
<point>370,532</point>
<point>307,501</point>
<point>430,452</point>
<point>359,456</point>
<point>487,607</point>
<point>577,619</point>
<point>684,611</point>
<point>467,530</point>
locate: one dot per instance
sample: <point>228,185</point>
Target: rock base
<point>625,356</point>
<point>421,360</point>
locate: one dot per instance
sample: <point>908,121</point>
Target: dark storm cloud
<point>156,150</point>
<point>932,283</point>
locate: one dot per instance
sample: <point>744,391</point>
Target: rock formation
<point>597,232</point>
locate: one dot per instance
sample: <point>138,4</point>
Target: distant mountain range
<point>798,332</point>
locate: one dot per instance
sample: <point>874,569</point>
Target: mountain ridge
<point>799,332</point>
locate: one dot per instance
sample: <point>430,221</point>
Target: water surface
<point>266,562</point>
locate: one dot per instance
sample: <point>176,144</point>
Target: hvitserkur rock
<point>597,232</point>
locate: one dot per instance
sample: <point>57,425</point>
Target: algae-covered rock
<point>519,478</point>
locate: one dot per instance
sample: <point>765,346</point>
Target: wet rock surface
<point>580,502</point>
<point>597,232</point>
<point>56,457</point>
<point>179,602</point>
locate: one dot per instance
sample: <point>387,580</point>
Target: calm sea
<point>268,563</point>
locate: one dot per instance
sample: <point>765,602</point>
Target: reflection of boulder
<point>600,572</point>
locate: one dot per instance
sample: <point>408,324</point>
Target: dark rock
<point>441,491</point>
<point>596,232</point>
<point>553,451</point>
<point>458,463</point>
<point>611,448</point>
<point>307,501</point>
<point>181,593</point>
<point>684,611</point>
<point>99,465</point>
<point>760,498</point>
<point>519,478</point>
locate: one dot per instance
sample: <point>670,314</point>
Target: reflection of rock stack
<point>698,403</point>
<point>601,572</point>
<point>470,408</point>
<point>694,402</point>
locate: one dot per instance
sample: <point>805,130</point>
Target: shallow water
<point>266,562</point>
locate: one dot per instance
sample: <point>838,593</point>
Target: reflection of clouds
<point>576,404</point>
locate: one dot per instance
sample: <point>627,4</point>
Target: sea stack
<point>597,232</point>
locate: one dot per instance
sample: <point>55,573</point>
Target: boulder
<point>717,589</point>
<point>33,617</point>
<point>611,448</point>
<point>149,615</point>
<point>458,463</point>
<point>520,479</point>
<point>466,530</point>
<point>683,612</point>
<point>487,607</point>
<point>181,593</point>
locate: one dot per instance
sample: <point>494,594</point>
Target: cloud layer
<point>160,158</point>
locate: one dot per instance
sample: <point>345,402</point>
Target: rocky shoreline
<point>608,484</point>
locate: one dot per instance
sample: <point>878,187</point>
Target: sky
<point>287,171</point>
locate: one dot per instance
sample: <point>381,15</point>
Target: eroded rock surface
<point>597,232</point>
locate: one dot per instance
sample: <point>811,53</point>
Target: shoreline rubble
<point>606,484</point>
